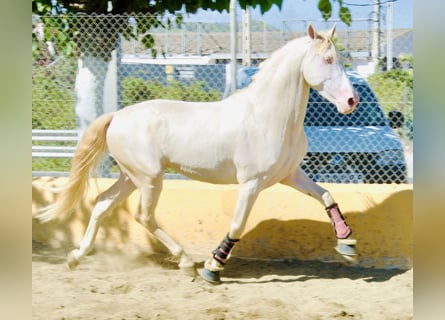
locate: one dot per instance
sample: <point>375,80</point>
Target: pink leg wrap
<point>342,230</point>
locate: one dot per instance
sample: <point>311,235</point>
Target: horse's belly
<point>220,173</point>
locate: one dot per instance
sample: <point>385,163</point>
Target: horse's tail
<point>90,150</point>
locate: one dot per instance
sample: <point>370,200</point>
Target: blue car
<point>360,147</point>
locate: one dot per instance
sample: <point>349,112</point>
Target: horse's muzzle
<point>352,103</point>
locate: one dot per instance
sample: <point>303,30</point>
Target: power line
<point>367,4</point>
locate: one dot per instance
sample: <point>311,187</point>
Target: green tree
<point>394,89</point>
<point>190,6</point>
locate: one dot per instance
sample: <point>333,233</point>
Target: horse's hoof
<point>346,247</point>
<point>187,266</point>
<point>72,261</point>
<point>210,276</point>
<point>350,259</point>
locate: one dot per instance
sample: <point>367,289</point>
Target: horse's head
<point>323,71</point>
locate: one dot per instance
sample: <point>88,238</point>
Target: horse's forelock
<point>324,41</point>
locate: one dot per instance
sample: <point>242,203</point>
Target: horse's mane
<point>294,47</point>
<point>270,64</point>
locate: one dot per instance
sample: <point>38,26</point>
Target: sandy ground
<point>113,285</point>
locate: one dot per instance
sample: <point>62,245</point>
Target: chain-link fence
<point>84,65</point>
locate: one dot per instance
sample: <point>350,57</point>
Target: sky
<point>307,10</point>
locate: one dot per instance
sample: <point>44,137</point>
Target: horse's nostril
<point>352,102</point>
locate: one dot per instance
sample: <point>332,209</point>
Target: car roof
<point>356,78</point>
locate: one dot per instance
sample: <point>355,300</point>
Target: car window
<point>320,112</point>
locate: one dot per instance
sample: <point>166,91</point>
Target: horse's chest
<point>292,150</point>
<point>276,156</point>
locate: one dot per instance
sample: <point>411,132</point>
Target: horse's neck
<point>280,92</point>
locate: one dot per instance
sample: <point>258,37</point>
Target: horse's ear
<point>311,31</point>
<point>332,31</point>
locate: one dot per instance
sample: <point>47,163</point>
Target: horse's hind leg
<point>106,201</point>
<point>345,244</point>
<point>150,192</point>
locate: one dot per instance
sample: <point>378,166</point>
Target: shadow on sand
<point>237,270</point>
<point>247,271</point>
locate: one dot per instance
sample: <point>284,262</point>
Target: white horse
<point>254,138</point>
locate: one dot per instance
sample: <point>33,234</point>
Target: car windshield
<point>321,112</point>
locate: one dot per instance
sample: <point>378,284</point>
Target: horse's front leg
<point>247,195</point>
<point>301,182</point>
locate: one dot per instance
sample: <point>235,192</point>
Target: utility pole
<point>247,48</point>
<point>389,53</point>
<point>233,46</point>
<point>376,33</point>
